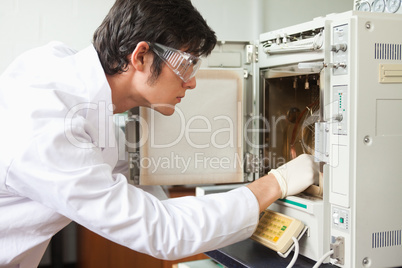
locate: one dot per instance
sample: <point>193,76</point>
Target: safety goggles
<point>181,63</point>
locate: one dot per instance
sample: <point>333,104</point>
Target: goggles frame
<point>183,64</point>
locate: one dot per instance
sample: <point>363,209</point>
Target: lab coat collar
<point>100,109</point>
<point>93,77</point>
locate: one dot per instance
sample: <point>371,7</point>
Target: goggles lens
<point>181,63</point>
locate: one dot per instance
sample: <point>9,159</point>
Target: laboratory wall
<point>25,24</point>
<point>245,20</point>
<point>232,20</point>
<point>283,13</point>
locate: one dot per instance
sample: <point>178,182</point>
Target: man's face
<point>135,87</point>
<point>167,90</point>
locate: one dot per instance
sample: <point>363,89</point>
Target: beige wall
<point>26,24</point>
<point>30,23</point>
<point>283,13</point>
<point>244,20</point>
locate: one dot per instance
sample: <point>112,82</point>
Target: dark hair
<point>173,23</point>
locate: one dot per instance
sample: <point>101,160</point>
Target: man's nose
<point>190,84</point>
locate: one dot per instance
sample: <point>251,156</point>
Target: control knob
<point>337,47</point>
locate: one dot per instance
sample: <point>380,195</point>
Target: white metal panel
<point>378,180</point>
<point>201,143</point>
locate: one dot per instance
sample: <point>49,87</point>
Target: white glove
<point>296,175</point>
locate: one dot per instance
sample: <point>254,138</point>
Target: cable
<point>296,254</point>
<point>321,260</point>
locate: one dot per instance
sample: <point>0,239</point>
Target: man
<point>56,163</point>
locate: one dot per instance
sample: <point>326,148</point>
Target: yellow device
<point>275,230</point>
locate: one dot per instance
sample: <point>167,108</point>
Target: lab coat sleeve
<point>122,167</point>
<point>77,183</point>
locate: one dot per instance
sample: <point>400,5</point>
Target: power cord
<point>321,260</point>
<point>295,255</point>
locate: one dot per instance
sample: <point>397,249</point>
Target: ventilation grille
<point>386,239</point>
<point>387,51</point>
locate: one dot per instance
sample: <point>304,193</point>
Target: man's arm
<point>266,190</point>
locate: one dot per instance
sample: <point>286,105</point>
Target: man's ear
<point>137,58</point>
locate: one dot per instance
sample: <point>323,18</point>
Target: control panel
<point>340,218</point>
<point>339,48</point>
<point>340,98</point>
<point>380,6</point>
<point>275,230</point>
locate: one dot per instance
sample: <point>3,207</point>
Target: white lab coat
<point>58,160</point>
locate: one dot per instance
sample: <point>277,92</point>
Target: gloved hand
<point>296,175</point>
